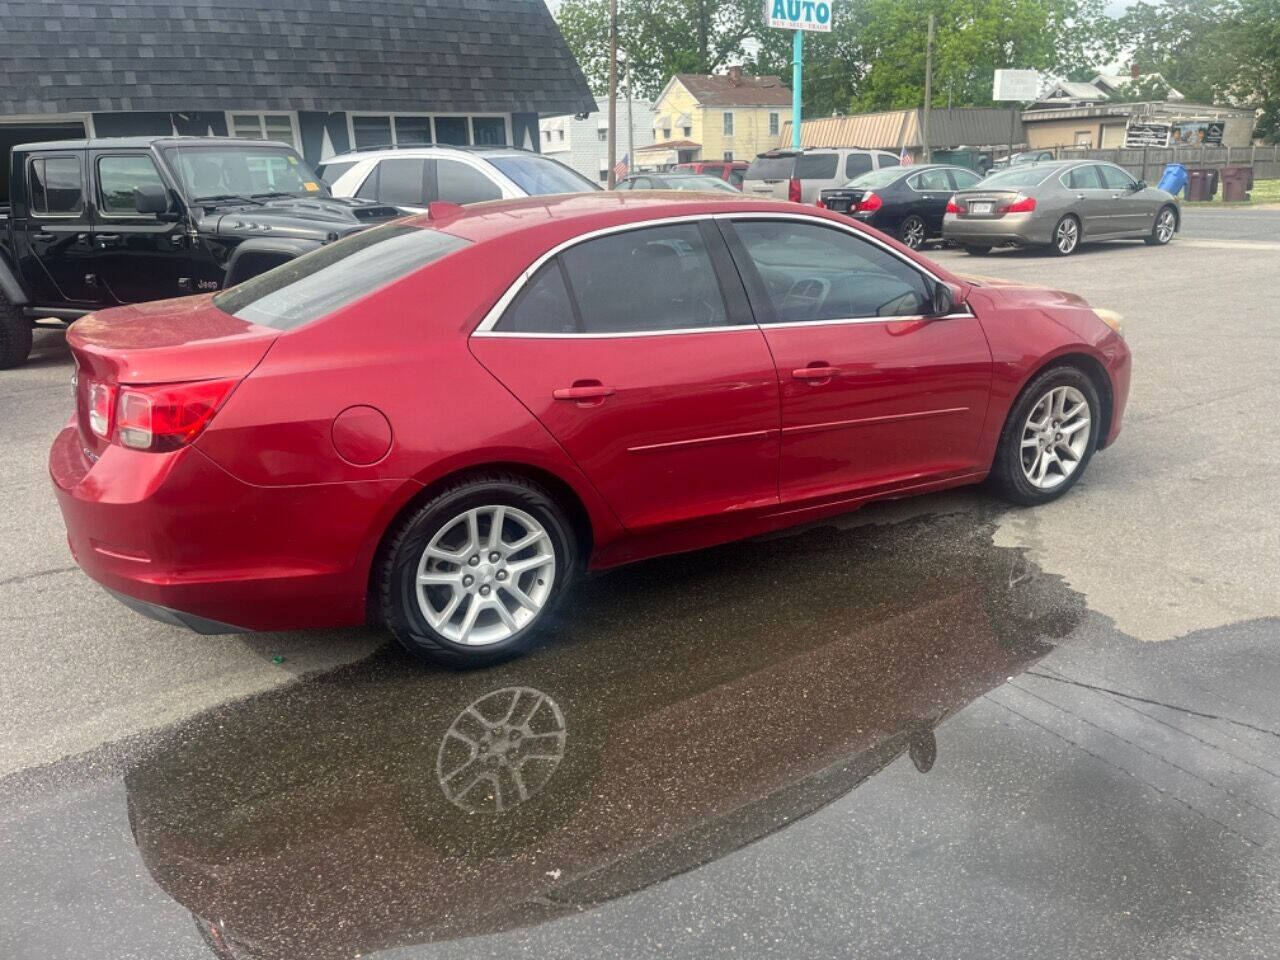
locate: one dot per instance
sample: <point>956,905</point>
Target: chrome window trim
<point>485,327</point>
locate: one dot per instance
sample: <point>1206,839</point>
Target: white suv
<point>412,177</point>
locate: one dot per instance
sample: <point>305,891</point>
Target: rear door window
<point>931,180</point>
<point>330,172</point>
<point>856,164</point>
<point>642,281</point>
<point>457,182</point>
<point>402,181</point>
<point>543,306</point>
<point>817,166</point>
<point>735,176</point>
<point>961,179</point>
<point>325,280</point>
<point>56,186</point>
<point>1084,178</point>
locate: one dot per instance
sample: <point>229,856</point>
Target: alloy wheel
<point>485,575</point>
<point>1055,437</point>
<point>913,232</point>
<point>1165,226</point>
<point>1067,235</point>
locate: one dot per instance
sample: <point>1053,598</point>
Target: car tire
<point>912,232</point>
<point>1065,239</point>
<point>1163,229</point>
<point>977,249</point>
<point>15,335</point>
<point>1016,466</point>
<point>444,525</point>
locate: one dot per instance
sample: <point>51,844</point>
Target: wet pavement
<point>894,739</point>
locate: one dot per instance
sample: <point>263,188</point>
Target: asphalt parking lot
<point>1105,773</point>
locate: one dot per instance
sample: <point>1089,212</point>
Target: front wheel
<point>472,577</point>
<point>912,232</point>
<point>1049,437</point>
<point>1163,229</point>
<point>1066,236</point>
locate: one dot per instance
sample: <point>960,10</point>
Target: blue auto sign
<point>798,14</point>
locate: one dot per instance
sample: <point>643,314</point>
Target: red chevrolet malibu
<point>438,423</point>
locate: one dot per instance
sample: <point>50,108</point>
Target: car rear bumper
<point>1011,228</point>
<point>178,538</point>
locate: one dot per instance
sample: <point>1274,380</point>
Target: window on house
<point>728,154</point>
<point>728,123</point>
<point>370,132</point>
<point>602,134</point>
<point>412,130</point>
<point>57,186</point>
<point>546,135</point>
<point>489,131</point>
<point>452,130</point>
<point>666,133</point>
<point>264,126</point>
<point>773,124</point>
<point>687,131</point>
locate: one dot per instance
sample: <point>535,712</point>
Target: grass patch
<point>1264,191</point>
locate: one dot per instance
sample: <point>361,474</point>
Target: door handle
<point>1079,196</point>
<point>46,237</point>
<point>585,393</point>
<point>815,372</point>
<point>107,239</point>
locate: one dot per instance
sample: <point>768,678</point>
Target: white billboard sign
<point>798,14</point>
<point>1016,85</point>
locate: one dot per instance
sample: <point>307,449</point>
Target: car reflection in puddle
<point>692,705</point>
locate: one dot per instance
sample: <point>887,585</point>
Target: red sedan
<point>438,423</point>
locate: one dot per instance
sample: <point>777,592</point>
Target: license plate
<point>839,206</point>
<point>980,208</point>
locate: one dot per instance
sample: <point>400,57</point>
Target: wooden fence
<point>1149,164</point>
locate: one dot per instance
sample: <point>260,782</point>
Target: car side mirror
<point>152,198</point>
<point>943,299</point>
<point>1140,185</point>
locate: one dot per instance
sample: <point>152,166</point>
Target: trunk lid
<point>984,204</point>
<point>843,199</point>
<point>167,341</point>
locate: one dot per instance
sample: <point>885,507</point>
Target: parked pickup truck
<point>97,223</point>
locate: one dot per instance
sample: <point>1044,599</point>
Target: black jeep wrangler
<point>97,223</point>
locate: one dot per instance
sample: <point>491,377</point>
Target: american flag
<point>905,158</point>
<point>620,168</point>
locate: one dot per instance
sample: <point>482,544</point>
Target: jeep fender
<point>277,248</point>
<point>10,285</point>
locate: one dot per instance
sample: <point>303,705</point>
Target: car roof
<point>429,150</point>
<point>139,142</point>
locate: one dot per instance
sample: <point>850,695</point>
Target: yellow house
<point>729,116</point>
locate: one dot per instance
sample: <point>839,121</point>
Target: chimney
<point>735,75</point>
<point>1135,71</point>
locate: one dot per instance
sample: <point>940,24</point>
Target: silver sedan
<point>1059,205</point>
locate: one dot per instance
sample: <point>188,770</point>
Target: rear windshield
<point>771,168</point>
<point>330,172</point>
<point>540,175</point>
<point>816,166</point>
<point>876,178</point>
<point>315,285</point>
<point>1024,176</point>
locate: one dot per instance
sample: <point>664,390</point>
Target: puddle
<point>689,707</point>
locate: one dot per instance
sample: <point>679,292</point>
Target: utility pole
<point>928,90</point>
<point>797,81</point>
<point>631,127</point>
<point>613,92</point>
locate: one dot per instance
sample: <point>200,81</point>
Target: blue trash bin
<point>1174,178</point>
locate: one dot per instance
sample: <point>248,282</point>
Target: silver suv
<point>412,177</point>
<point>801,176</point>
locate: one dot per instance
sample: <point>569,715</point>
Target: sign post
<point>798,16</point>
<point>1017,85</point>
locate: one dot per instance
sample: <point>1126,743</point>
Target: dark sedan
<point>904,202</point>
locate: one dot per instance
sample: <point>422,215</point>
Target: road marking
<point>1230,244</point>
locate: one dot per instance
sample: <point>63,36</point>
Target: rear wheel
<point>977,249</point>
<point>1066,236</point>
<point>472,577</point>
<point>15,335</point>
<point>912,232</point>
<point>1049,437</point>
<point>1163,229</point>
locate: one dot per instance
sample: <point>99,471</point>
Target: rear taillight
<point>167,416</point>
<point>820,204</point>
<point>1021,205</point>
<point>953,207</point>
<point>870,203</point>
<point>101,401</point>
<point>793,190</point>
